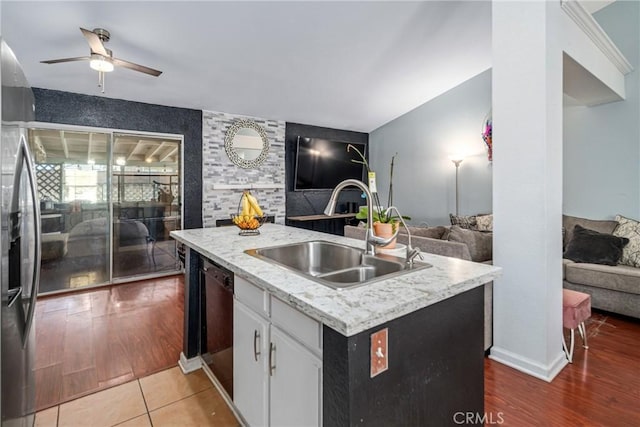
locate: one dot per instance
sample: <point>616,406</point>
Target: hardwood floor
<point>99,338</point>
<point>600,388</point>
<point>105,337</point>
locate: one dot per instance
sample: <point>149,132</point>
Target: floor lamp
<point>456,161</point>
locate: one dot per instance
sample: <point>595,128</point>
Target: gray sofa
<point>436,240</point>
<point>612,288</point>
<point>91,239</point>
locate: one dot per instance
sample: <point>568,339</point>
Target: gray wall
<point>313,202</point>
<point>218,169</point>
<point>424,176</point>
<point>602,144</point>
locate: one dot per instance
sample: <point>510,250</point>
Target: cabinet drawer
<point>252,296</point>
<point>300,326</point>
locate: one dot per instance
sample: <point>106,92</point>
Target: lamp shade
<point>101,63</point>
<point>456,159</point>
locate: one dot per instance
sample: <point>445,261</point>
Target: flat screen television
<point>321,164</point>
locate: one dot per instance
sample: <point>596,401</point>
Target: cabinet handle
<point>256,336</point>
<point>272,366</point>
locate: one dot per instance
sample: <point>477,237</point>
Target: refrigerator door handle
<point>28,162</point>
<point>14,294</point>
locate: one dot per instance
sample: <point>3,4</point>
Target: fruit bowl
<point>249,216</point>
<point>248,224</point>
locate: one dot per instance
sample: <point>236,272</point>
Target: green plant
<point>378,214</point>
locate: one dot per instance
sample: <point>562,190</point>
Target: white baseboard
<point>189,365</point>
<point>528,366</point>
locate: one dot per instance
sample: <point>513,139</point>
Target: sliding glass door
<point>146,204</point>
<point>72,175</point>
<point>108,202</point>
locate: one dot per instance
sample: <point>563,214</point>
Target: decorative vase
<point>386,230</point>
<point>487,134</point>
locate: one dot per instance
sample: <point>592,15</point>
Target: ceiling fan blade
<point>56,61</point>
<point>136,67</point>
<point>94,42</point>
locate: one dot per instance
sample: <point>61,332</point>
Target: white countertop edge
<point>348,311</point>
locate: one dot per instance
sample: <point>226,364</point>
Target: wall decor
<point>487,134</point>
<point>223,181</point>
<point>246,144</point>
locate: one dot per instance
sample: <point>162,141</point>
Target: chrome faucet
<point>370,237</point>
<point>411,251</point>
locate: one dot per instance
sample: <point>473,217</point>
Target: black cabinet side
<point>435,375</point>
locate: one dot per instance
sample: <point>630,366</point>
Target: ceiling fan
<point>101,59</point>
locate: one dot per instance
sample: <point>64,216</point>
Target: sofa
<point>453,242</point>
<point>131,238</point>
<point>88,238</point>
<point>54,246</point>
<point>614,288</point>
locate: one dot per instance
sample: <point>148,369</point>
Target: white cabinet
<point>296,381</point>
<point>277,370</point>
<point>250,382</point>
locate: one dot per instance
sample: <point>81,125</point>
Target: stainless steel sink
<point>334,265</point>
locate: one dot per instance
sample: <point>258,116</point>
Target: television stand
<point>320,217</point>
<point>327,224</point>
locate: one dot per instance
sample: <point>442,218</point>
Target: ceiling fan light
<point>101,63</point>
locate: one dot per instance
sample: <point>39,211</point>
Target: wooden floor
<point>105,337</point>
<point>600,388</point>
<point>99,338</point>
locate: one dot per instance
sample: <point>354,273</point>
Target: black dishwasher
<point>216,343</point>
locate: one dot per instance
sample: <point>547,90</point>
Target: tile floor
<point>167,398</point>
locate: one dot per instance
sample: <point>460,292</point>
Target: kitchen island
<point>433,319</point>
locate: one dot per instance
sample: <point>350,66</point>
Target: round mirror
<point>246,144</point>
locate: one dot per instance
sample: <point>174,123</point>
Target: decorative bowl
<point>248,224</point>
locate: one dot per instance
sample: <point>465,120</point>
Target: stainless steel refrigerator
<point>20,247</point>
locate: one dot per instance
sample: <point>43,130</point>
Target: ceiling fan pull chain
<point>101,80</point>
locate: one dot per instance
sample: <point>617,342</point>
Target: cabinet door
<point>250,357</point>
<point>296,383</point>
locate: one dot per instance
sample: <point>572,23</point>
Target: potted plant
<point>384,224</point>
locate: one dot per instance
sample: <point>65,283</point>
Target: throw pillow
<point>590,246</point>
<point>630,229</point>
<point>445,235</point>
<point>431,232</point>
<point>601,226</point>
<point>464,221</point>
<point>480,244</point>
<point>485,222</point>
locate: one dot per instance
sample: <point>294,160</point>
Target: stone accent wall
<point>267,183</point>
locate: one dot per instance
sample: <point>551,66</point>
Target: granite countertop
<point>348,311</point>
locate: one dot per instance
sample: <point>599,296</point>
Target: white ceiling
<point>347,65</point>
<point>592,6</point>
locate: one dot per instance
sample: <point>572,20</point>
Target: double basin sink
<point>334,265</point>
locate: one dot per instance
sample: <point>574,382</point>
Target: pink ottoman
<point>576,308</point>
